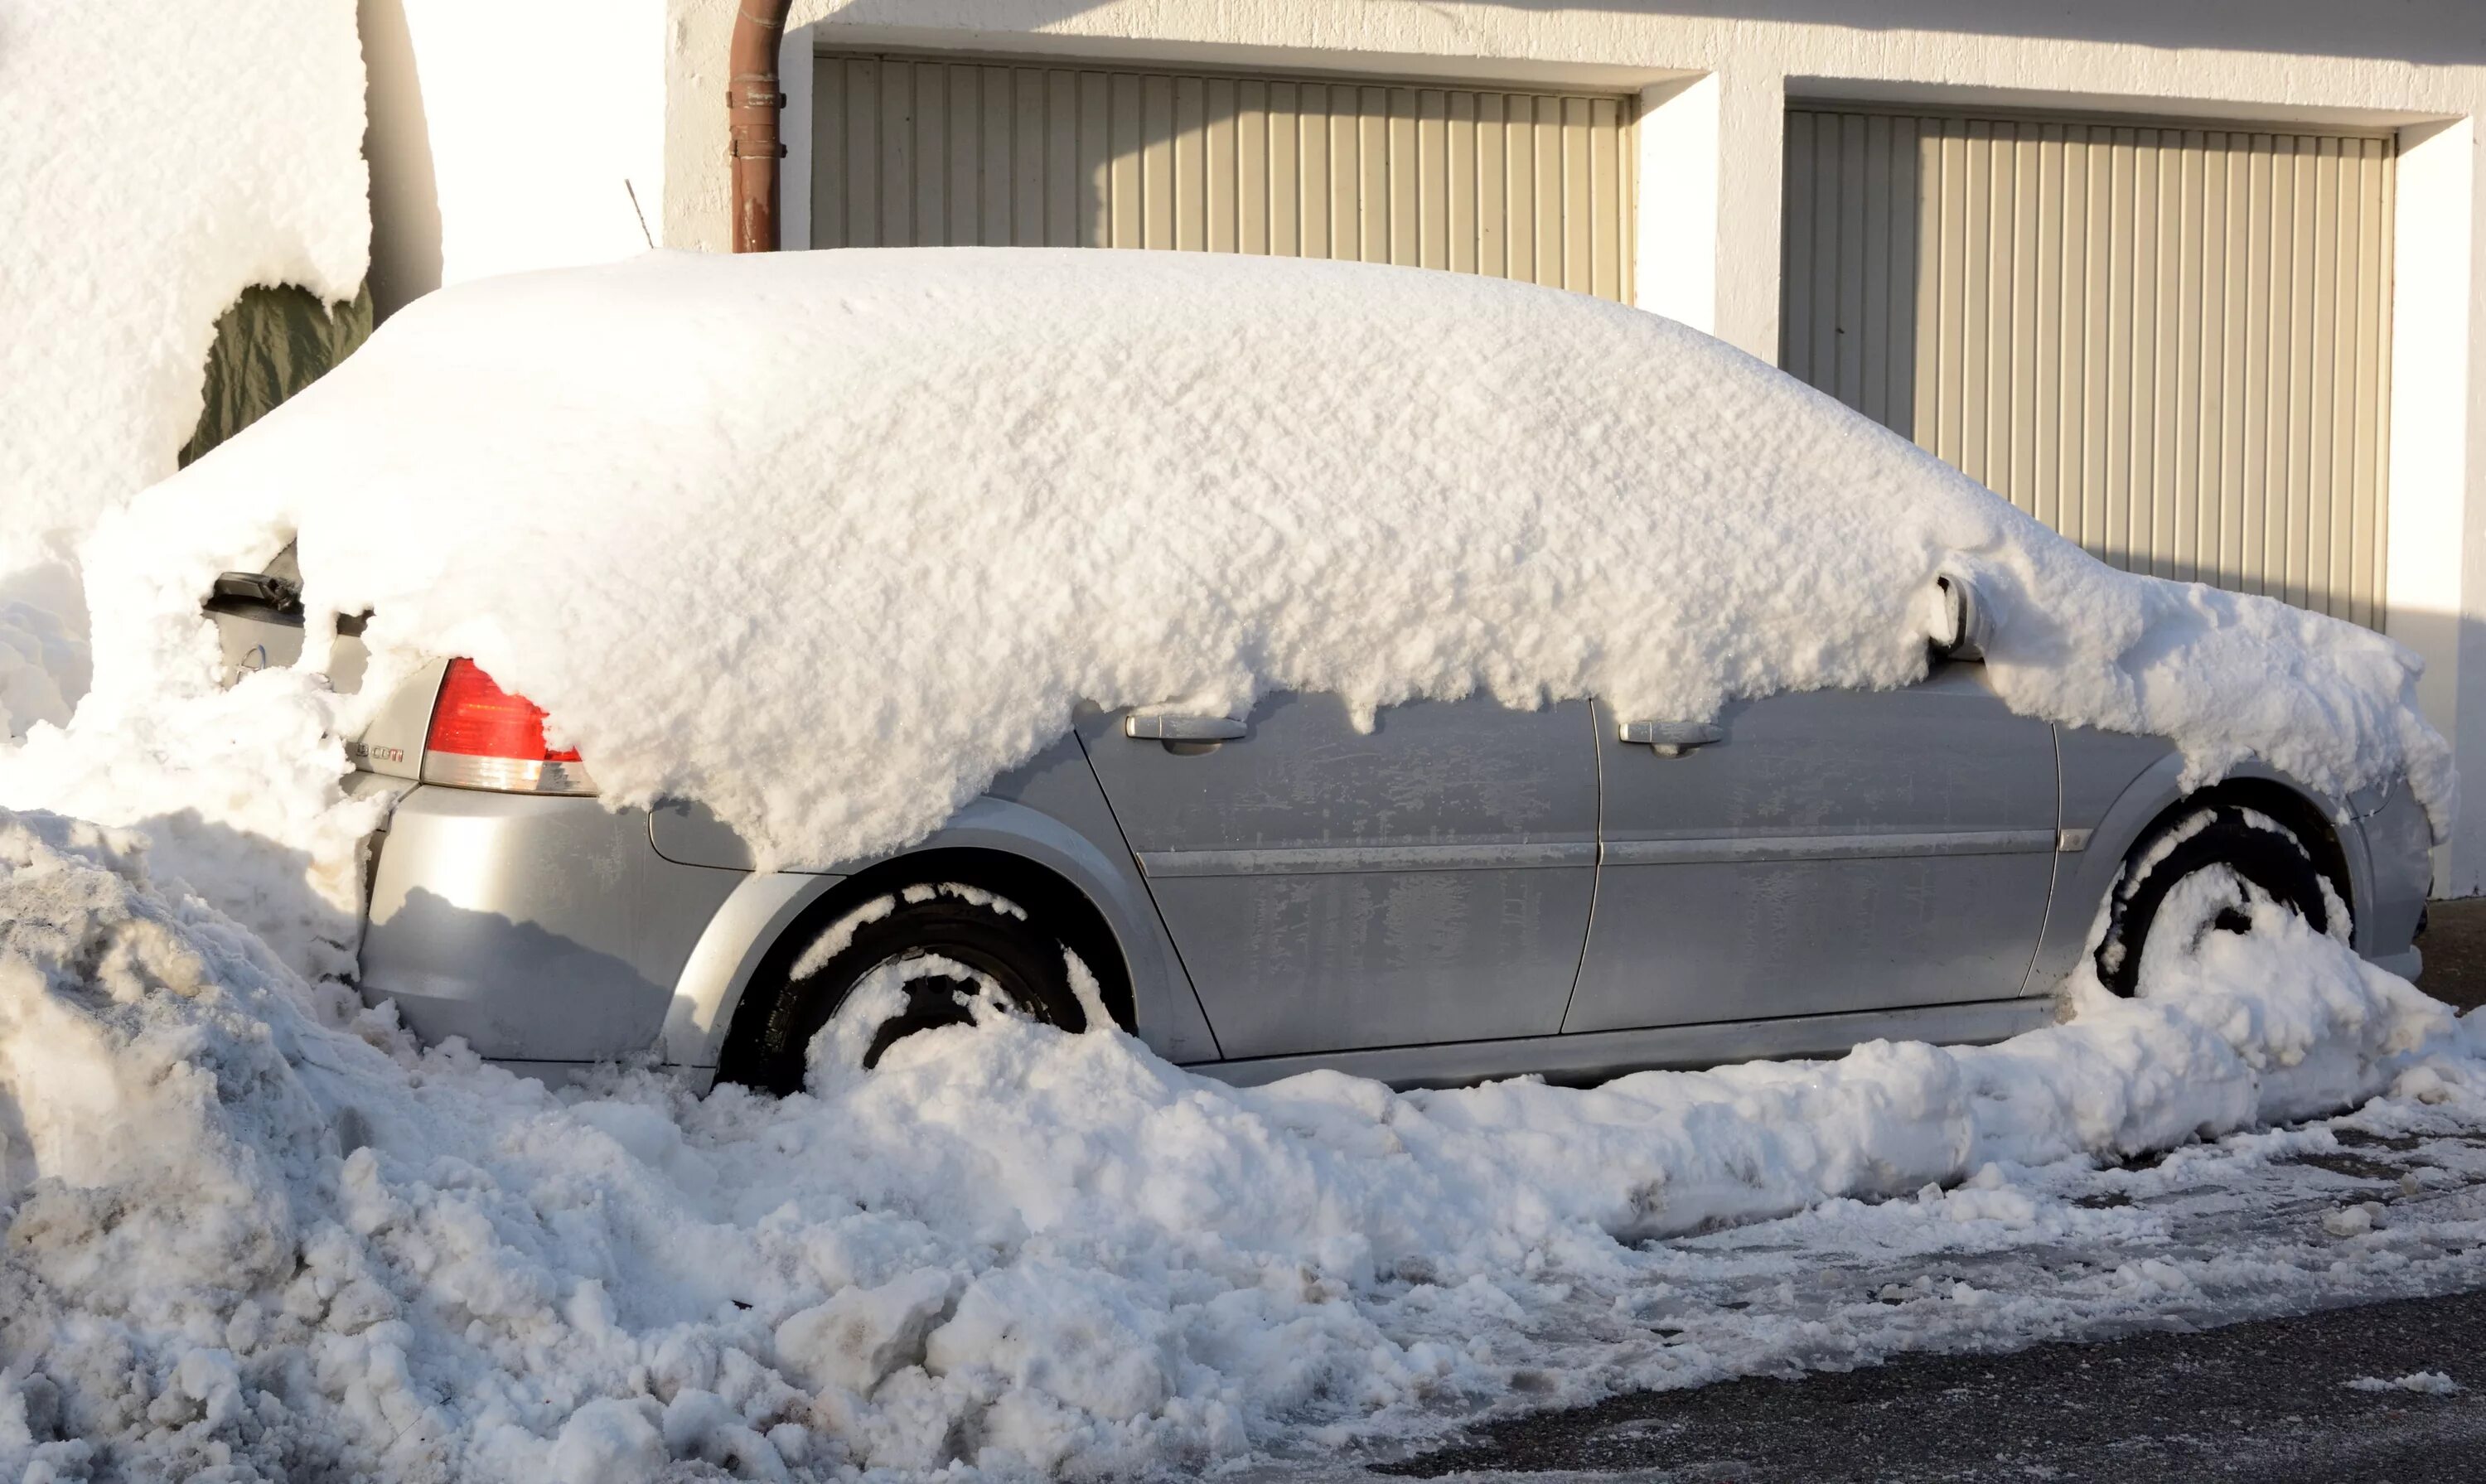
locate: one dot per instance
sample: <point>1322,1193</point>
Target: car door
<point>1331,889</point>
<point>1819,852</point>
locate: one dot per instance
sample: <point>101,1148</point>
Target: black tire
<point>2257,848</point>
<point>985,933</point>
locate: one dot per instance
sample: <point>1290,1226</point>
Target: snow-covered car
<point>1262,656</point>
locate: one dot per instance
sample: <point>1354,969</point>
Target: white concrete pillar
<point>1676,273</point>
<point>796,75</point>
<point>2435,559</point>
<point>1752,150</point>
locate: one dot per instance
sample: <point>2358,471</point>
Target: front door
<point>1330,888</point>
<point>1823,851</point>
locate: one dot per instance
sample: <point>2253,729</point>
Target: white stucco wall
<point>509,134</point>
<point>1714,77</point>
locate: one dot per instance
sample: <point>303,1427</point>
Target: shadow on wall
<point>396,142</point>
<point>2449,32</point>
<point>929,151</point>
<point>2460,863</point>
<point>2432,31</point>
<point>2213,425</point>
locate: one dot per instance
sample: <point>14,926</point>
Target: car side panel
<point>2117,786</point>
<point>1049,811</point>
<point>2399,860</point>
<point>2113,784</point>
<point>1830,852</point>
<point>1060,785</point>
<point>537,928</point>
<point>1424,879</point>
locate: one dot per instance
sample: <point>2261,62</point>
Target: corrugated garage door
<point>922,151</point>
<point>2171,344</point>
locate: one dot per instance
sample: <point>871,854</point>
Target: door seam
<point>1149,887</point>
<point>1596,874</point>
<point>2054,878</point>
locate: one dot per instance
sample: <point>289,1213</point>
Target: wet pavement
<point>2273,1400</point>
<point>2343,1393</point>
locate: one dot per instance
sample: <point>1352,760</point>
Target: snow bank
<point>154,161</point>
<point>43,666</point>
<point>826,540</point>
<point>246,1230</point>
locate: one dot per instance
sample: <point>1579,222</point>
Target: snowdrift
<point>826,540</point>
<point>251,1228</point>
<point>136,215</point>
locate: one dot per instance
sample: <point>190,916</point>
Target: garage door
<point>924,151</point>
<point>2171,344</point>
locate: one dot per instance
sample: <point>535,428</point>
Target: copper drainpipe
<point>751,103</point>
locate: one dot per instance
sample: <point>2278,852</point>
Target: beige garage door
<point>2171,344</point>
<point>924,151</point>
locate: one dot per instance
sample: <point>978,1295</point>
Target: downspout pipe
<point>752,100</point>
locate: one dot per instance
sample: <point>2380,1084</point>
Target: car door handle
<point>1183,729</point>
<point>1671,739</point>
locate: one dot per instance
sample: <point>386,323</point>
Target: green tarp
<point>270,345</point>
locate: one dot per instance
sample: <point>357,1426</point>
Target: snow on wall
<point>154,160</point>
<point>251,1225</point>
<point>828,539</point>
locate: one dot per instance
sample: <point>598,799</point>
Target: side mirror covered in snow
<point>1971,621</point>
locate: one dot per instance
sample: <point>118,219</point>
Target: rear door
<point>1328,888</point>
<point>1827,851</point>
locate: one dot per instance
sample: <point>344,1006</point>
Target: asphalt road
<point>2266,1400</point>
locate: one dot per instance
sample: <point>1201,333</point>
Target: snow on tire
<point>926,955</point>
<point>2215,869</point>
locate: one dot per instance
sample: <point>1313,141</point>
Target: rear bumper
<point>537,928</point>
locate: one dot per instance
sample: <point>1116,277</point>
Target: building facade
<point>2197,284</point>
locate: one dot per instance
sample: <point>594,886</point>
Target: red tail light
<point>484,737</point>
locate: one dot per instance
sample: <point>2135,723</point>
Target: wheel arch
<point>2296,810</point>
<point>994,844</point>
<point>2155,799</point>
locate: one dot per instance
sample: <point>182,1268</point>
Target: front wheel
<point>924,955</point>
<point>2201,875</point>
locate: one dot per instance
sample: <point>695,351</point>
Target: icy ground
<point>252,1228</point>
<point>2213,1234</point>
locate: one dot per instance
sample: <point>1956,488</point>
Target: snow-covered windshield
<point>726,517</point>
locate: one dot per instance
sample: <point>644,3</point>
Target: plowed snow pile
<point>246,1231</point>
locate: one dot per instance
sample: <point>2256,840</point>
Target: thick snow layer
<point>826,540</point>
<point>237,793</point>
<point>249,1225</point>
<point>154,160</point>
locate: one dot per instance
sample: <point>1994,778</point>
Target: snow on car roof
<point>827,540</point>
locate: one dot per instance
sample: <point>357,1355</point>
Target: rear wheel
<point>2200,875</point>
<point>925,955</point>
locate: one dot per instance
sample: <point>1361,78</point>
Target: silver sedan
<point>1462,891</point>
